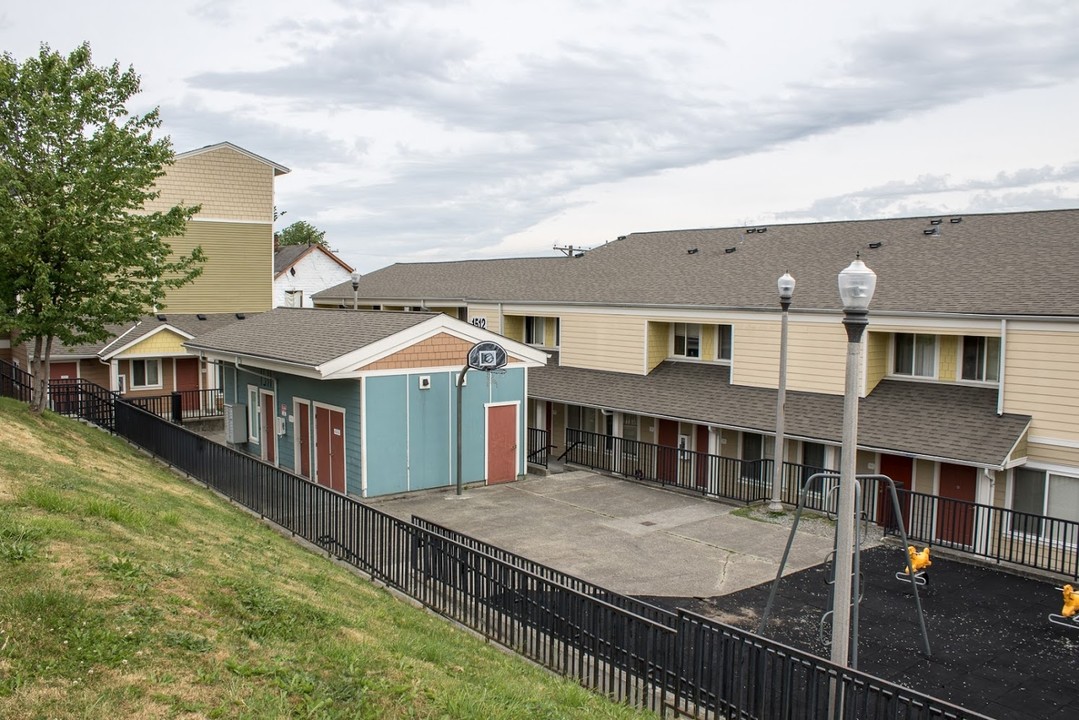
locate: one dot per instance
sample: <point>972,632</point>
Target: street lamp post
<point>355,290</point>
<point>856,286</point>
<point>786,293</point>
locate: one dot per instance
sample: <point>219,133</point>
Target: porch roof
<point>125,334</point>
<point>951,423</point>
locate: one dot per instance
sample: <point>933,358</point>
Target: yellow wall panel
<point>659,337</point>
<point>513,327</point>
<point>1041,381</point>
<point>816,356</point>
<point>876,359</point>
<point>229,185</point>
<point>603,342</point>
<point>947,357</point>
<point>238,273</point>
<point>162,343</point>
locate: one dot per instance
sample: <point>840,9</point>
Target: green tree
<point>77,249</point>
<point>301,232</point>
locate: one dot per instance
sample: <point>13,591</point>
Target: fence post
<point>177,407</point>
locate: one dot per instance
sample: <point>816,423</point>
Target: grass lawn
<point>127,592</point>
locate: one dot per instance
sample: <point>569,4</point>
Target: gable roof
<point>124,335</point>
<point>992,264</point>
<point>289,255</point>
<point>949,422</point>
<point>329,341</point>
<point>277,168</point>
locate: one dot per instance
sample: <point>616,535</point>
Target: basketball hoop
<point>487,356</point>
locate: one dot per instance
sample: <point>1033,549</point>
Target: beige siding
<point>550,337</point>
<point>558,429</point>
<point>728,443</point>
<point>1053,454</point>
<point>708,342</point>
<point>95,372</point>
<point>659,337</point>
<point>1040,380</point>
<point>924,472</point>
<point>488,313</point>
<point>513,327</point>
<point>947,357</point>
<point>603,342</point>
<point>816,356</point>
<point>229,185</point>
<point>238,273</point>
<point>876,359</point>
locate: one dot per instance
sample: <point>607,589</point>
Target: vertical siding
<point>948,357</point>
<point>386,430</point>
<point>708,342</point>
<point>431,430</point>
<point>659,338</point>
<point>603,342</point>
<point>95,371</point>
<point>1041,381</point>
<point>339,393</point>
<point>238,273</point>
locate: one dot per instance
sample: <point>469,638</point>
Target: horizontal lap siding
<point>816,356</point>
<point>659,340</point>
<point>1041,381</point>
<point>238,273</point>
<point>876,359</point>
<point>488,313</point>
<point>603,342</point>
<point>1052,454</point>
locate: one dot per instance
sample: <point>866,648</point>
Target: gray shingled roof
<point>307,336</point>
<point>286,256</point>
<point>1010,263</point>
<point>189,323</point>
<point>954,422</point>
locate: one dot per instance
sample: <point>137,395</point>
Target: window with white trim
<point>980,358</point>
<point>145,374</point>
<point>294,298</point>
<point>254,414</point>
<point>687,340</point>
<point>535,330</point>
<point>914,355</point>
<point>1040,493</point>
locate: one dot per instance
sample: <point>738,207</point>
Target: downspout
<point>1001,373</point>
<point>501,321</point>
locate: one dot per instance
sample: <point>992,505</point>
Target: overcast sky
<point>442,130</point>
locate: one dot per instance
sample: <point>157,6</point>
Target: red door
<point>330,448</point>
<point>303,439</point>
<point>60,373</point>
<point>901,470</point>
<point>702,458</point>
<point>269,437</point>
<point>667,459</point>
<point>187,383</point>
<point>63,370</point>
<point>955,520</point>
<point>501,443</point>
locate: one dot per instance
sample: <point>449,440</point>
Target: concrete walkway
<point>624,536</point>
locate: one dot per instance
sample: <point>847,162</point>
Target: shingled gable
<point>290,255</point>
<point>278,169</point>
<point>330,344</point>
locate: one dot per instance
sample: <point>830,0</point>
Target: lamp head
<point>786,286</point>
<point>355,280</point>
<point>856,286</point>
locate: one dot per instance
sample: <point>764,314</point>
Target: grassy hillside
<point>128,592</point>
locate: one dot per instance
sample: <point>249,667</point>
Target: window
<point>582,418</point>
<point>1038,493</point>
<point>687,340</point>
<point>915,355</point>
<point>254,414</point>
<point>724,335</point>
<point>535,330</point>
<point>145,373</point>
<point>294,298</point>
<point>981,358</point>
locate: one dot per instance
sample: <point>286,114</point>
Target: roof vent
<point>579,255</point>
<point>937,221</point>
<point>760,230</point>
<point>955,220</point>
<point>875,245</point>
<point>730,250</point>
<point>750,230</point>
<point>621,237</point>
<point>240,316</point>
<point>692,251</point>
<point>200,316</point>
<point>162,318</point>
<point>931,231</point>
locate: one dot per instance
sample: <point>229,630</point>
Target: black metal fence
<point>15,382</point>
<point>181,405</point>
<point>539,446</point>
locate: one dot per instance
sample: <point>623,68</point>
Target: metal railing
<point>181,405</point>
<point>608,642</point>
<point>15,382</point>
<point>84,400</point>
<point>539,446</point>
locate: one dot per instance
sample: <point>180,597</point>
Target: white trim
<point>233,221</point>
<point>254,415</point>
<point>1053,442</point>
<point>1065,470</point>
<point>136,341</point>
<point>454,369</point>
<point>278,168</point>
<point>487,437</point>
<point>363,438</point>
<point>160,372</point>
